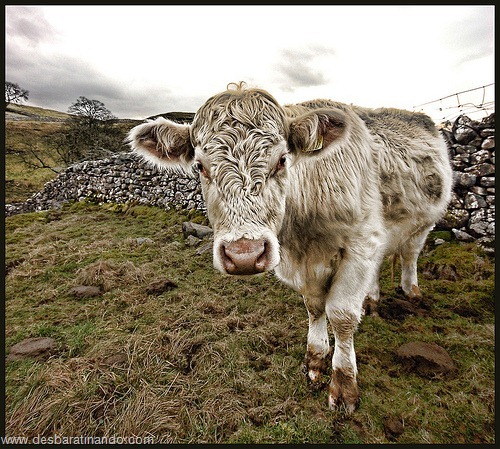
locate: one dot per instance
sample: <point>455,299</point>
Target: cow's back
<point>411,158</point>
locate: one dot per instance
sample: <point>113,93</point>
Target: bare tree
<point>90,110</point>
<point>90,134</point>
<point>14,93</point>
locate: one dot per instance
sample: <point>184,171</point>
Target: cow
<point>317,192</point>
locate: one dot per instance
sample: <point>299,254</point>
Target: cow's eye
<point>281,164</point>
<point>199,166</point>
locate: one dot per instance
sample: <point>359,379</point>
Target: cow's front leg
<point>318,347</point>
<point>344,308</point>
<point>343,388</point>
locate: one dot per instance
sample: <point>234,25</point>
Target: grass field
<point>218,359</point>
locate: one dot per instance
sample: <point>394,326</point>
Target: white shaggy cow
<point>318,192</point>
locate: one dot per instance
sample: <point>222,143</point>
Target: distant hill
<point>23,112</point>
<point>175,116</point>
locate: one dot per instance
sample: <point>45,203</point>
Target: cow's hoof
<point>415,292</point>
<point>315,366</point>
<point>343,392</point>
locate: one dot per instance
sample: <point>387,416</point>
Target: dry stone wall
<point>126,178</point>
<point>471,212</point>
<point>123,178</point>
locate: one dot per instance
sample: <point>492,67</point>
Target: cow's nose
<point>245,256</point>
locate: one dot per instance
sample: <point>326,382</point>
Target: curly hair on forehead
<point>237,86</point>
<point>239,106</point>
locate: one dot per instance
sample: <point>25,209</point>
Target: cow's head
<point>243,145</point>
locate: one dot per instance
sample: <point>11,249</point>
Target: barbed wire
<point>466,102</point>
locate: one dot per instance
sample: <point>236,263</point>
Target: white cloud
<point>144,60</point>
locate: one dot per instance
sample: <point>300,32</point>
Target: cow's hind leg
<point>409,253</point>
<point>318,347</point>
<point>344,308</point>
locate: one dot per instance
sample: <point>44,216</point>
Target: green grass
<point>219,359</point>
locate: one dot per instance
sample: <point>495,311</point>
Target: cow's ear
<point>315,131</point>
<point>163,142</point>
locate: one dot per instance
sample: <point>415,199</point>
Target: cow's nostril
<point>263,259</point>
<point>245,256</point>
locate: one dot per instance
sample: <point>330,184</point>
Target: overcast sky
<point>146,60</point>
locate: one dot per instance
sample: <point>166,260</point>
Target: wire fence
<point>475,103</point>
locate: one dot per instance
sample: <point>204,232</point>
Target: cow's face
<point>243,145</point>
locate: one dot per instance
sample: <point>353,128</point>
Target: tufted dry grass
<point>218,359</point>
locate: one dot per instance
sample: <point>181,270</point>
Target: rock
<point>200,231</point>
<point>487,132</point>
<point>159,287</point>
<point>465,134</point>
<point>488,143</point>
<point>191,240</point>
<point>426,359</point>
<point>85,291</point>
<point>115,359</point>
<point>393,428</point>
<point>207,247</point>
<point>481,169</point>
<point>480,156</point>
<point>455,218</point>
<point>487,181</point>
<point>40,348</point>
<point>462,235</point>
<point>473,201</point>
<point>478,190</point>
<point>464,180</point>
<point>143,240</point>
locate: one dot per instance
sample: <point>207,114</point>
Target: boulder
<point>40,348</point>
<point>426,359</point>
<point>85,291</point>
<point>158,287</point>
<point>197,230</point>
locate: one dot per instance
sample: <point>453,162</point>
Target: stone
<point>205,248</point>
<point>115,359</point>
<point>144,240</point>
<point>465,134</point>
<point>393,427</point>
<point>426,359</point>
<point>487,181</point>
<point>481,169</point>
<point>161,286</point>
<point>480,156</point>
<point>464,180</point>
<point>85,291</point>
<point>487,132</point>
<point>191,240</point>
<point>454,218</point>
<point>473,201</point>
<point>488,143</point>
<point>462,235</point>
<point>200,231</point>
<point>479,190</point>
<point>40,348</point>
